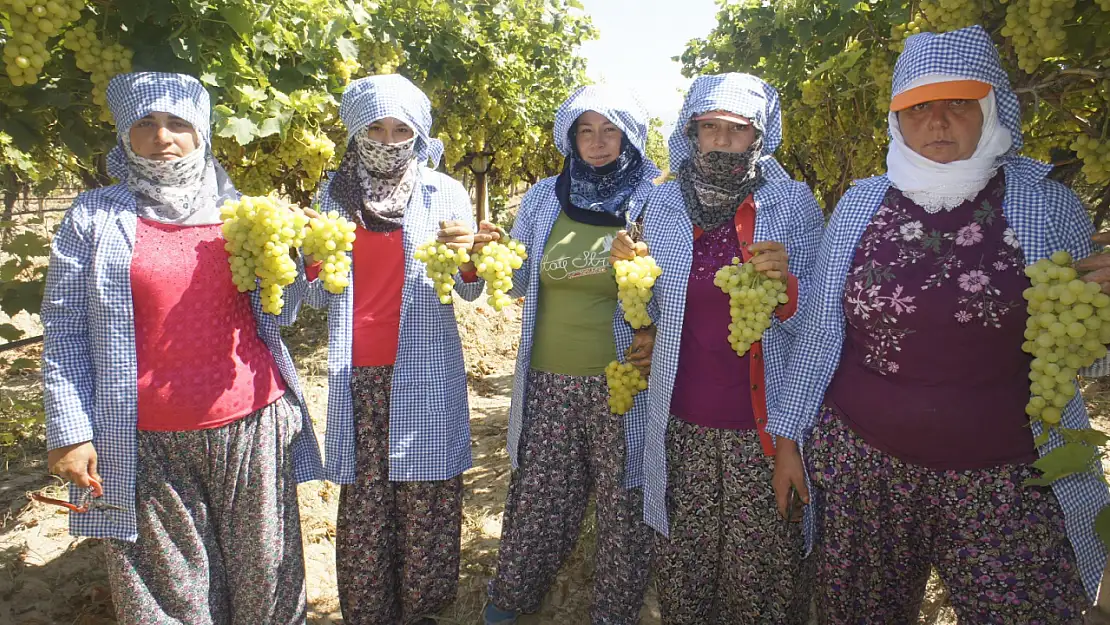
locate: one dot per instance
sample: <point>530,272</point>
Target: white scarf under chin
<point>935,186</point>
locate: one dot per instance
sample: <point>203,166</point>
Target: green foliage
<point>832,61</point>
<point>657,144</point>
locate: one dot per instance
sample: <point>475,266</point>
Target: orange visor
<point>952,90</point>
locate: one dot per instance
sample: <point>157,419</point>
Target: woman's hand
<point>624,248</point>
<point>1097,264</point>
<point>789,474</point>
<point>770,259</point>
<point>311,214</point>
<point>639,352</point>
<point>76,463</point>
<point>487,233</point>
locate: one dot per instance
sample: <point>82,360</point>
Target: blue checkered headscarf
<point>967,53</point>
<point>369,99</point>
<point>742,94</point>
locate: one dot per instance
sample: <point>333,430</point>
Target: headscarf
<point>599,195</point>
<point>187,191</point>
<point>376,180</point>
<point>930,58</point>
<point>714,183</point>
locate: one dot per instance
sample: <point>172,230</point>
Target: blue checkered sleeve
<point>67,368</point>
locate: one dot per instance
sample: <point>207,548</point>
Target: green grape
<point>495,263</point>
<point>100,59</point>
<point>752,302</point>
<point>32,25</point>
<point>635,278</point>
<point>329,239</point>
<point>259,234</point>
<point>1067,330</point>
<point>442,264</point>
<point>1095,155</point>
<point>624,382</point>
<point>312,151</point>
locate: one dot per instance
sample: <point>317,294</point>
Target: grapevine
<point>442,265</point>
<point>102,60</point>
<point>624,382</point>
<point>328,239</point>
<point>260,231</point>
<point>635,278</point>
<point>752,300</point>
<point>33,23</point>
<point>1068,329</point>
<point>495,263</point>
<point>1095,155</point>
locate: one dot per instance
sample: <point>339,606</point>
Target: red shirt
<point>378,260</point>
<point>201,363</point>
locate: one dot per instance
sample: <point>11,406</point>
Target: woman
<point>398,436</point>
<point>160,374</point>
<point>563,440</point>
<point>910,372</point>
<point>708,459</point>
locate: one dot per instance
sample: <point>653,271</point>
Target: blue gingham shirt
<point>786,211</point>
<point>90,375</point>
<point>537,214</point>
<point>429,429</point>
<point>1046,217</point>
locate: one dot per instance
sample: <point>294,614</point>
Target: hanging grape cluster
<point>33,23</point>
<point>1068,329</point>
<point>312,150</point>
<point>752,298</point>
<point>102,59</point>
<point>495,263</point>
<point>328,240</point>
<point>1036,29</point>
<point>260,232</point>
<point>946,15</point>
<point>624,382</point>
<point>1095,155</point>
<point>635,279</point>
<point>442,264</point>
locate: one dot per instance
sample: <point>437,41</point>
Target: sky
<point>636,41</point>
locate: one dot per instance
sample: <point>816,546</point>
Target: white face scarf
<point>183,192</point>
<point>935,186</point>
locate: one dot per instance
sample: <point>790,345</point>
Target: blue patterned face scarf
<point>604,189</point>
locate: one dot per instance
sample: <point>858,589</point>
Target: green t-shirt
<point>577,299</point>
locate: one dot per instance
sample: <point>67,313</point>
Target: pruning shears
<point>90,500</point>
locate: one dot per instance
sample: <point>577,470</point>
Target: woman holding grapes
<point>398,435</point>
<point>909,385</point>
<point>723,555</point>
<point>166,389</point>
<point>563,439</point>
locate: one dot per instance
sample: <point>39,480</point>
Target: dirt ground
<point>47,577</point>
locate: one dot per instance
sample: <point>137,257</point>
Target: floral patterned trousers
<point>999,547</point>
<point>570,444</point>
<point>219,529</point>
<point>396,543</point>
<point>730,559</point>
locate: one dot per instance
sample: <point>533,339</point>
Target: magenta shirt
<point>713,385</point>
<point>932,369</point>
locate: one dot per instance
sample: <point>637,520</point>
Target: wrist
<point>786,445</point>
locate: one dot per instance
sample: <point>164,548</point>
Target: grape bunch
<point>495,263</point>
<point>312,150</point>
<point>328,239</point>
<point>946,15</point>
<point>624,382</point>
<point>344,68</point>
<point>900,32</point>
<point>1095,155</point>
<point>260,231</point>
<point>101,59</point>
<point>752,300</point>
<point>635,278</point>
<point>442,265</point>
<point>1036,29</point>
<point>33,23</point>
<point>1068,329</point>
